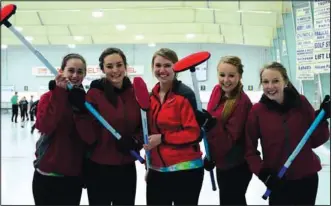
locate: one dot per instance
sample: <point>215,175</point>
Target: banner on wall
<point>304,43</point>
<point>201,71</point>
<point>322,35</point>
<point>92,70</point>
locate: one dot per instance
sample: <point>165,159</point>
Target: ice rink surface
<point>17,155</point>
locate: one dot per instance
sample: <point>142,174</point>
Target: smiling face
<point>229,77</point>
<point>75,71</point>
<point>163,69</point>
<point>273,84</point>
<point>115,69</point>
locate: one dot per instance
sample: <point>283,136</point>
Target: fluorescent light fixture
<point>190,36</point>
<point>4,46</point>
<point>18,28</point>
<point>97,14</point>
<point>139,37</point>
<point>29,38</point>
<point>72,46</point>
<point>256,12</point>
<point>78,38</point>
<point>206,8</point>
<point>152,45</point>
<point>120,27</point>
<point>57,10</point>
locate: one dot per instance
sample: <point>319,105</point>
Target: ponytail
<point>291,86</point>
<point>230,102</point>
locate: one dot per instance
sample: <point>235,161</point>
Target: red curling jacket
<point>66,134</point>
<point>124,118</point>
<point>226,139</point>
<point>280,129</point>
<point>175,119</point>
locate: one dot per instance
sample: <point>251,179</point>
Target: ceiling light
<point>190,36</point>
<point>78,38</point>
<point>18,28</point>
<point>139,37</point>
<point>72,46</point>
<point>4,46</point>
<point>120,27</point>
<point>29,38</point>
<point>257,12</point>
<point>152,45</point>
<point>97,14</point>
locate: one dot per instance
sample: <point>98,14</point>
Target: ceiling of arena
<point>139,22</point>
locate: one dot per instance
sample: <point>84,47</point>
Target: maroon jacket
<point>64,134</point>
<point>124,118</point>
<point>280,129</point>
<point>226,139</point>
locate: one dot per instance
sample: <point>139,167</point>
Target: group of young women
<point>75,151</point>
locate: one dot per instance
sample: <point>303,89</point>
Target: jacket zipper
<point>158,147</point>
<point>125,117</point>
<point>287,141</point>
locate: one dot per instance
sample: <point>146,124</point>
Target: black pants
<point>182,187</point>
<point>233,184</point>
<point>296,192</point>
<point>24,113</point>
<point>14,112</point>
<point>49,190</point>
<point>32,115</point>
<point>108,184</point>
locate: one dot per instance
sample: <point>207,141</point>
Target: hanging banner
<point>91,70</point>
<point>304,42</point>
<point>201,71</point>
<point>322,36</point>
<point>137,70</point>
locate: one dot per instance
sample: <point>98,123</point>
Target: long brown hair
<point>231,100</point>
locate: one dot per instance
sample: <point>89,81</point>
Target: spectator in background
<point>14,106</point>
<point>32,115</point>
<point>24,108</point>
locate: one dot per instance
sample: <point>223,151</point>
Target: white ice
<point>17,154</point>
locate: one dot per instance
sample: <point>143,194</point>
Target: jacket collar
<point>125,85</point>
<point>174,87</point>
<point>291,100</point>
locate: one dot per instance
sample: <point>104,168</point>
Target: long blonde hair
<point>230,102</point>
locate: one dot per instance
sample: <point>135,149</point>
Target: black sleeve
<point>189,94</point>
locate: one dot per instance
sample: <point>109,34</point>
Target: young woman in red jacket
<point>110,168</point>
<point>280,120</point>
<point>66,129</point>
<point>230,105</point>
<point>176,168</point>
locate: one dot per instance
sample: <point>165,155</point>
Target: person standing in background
<point>14,102</point>
<point>230,105</point>
<point>30,105</point>
<point>24,110</point>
